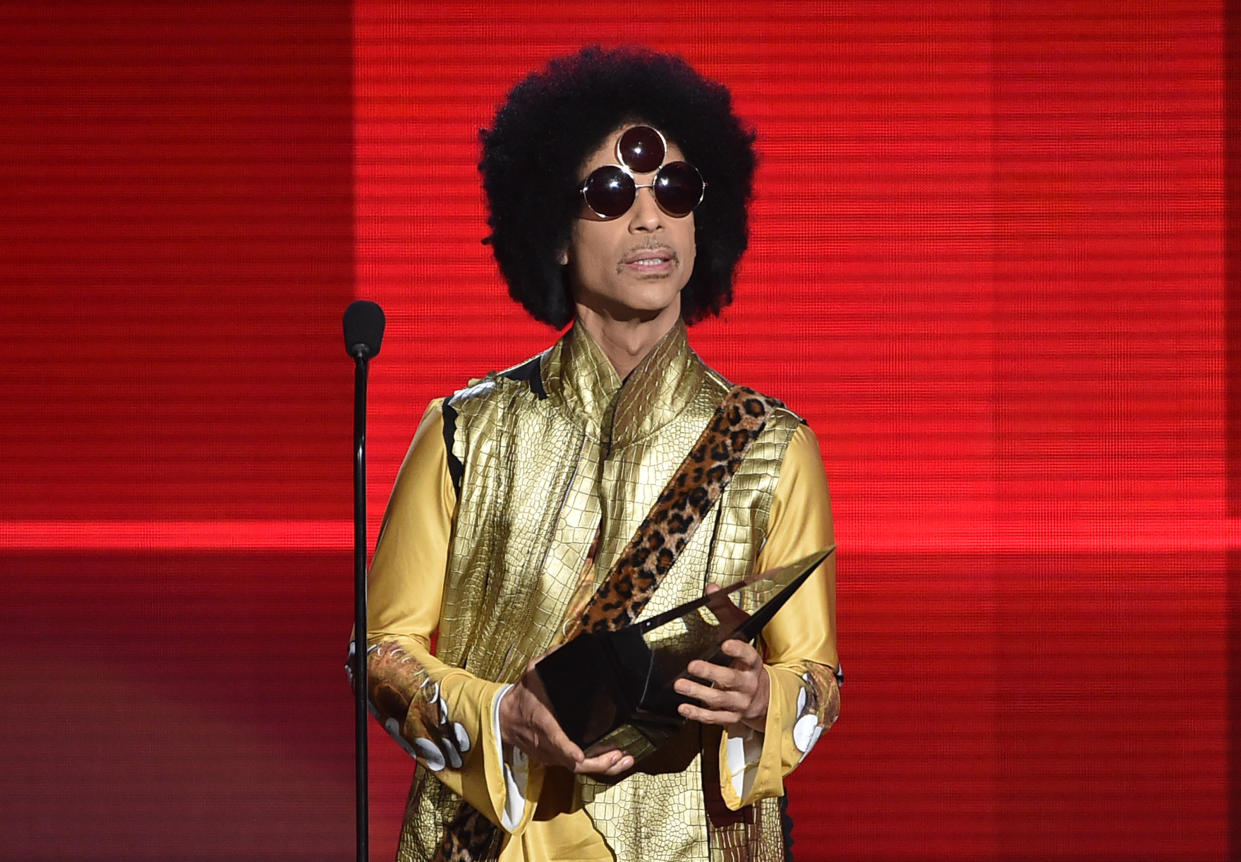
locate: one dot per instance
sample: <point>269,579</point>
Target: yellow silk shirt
<point>513,501</point>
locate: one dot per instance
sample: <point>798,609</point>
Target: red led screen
<point>989,264</point>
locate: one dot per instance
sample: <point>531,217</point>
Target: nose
<point>645,216</point>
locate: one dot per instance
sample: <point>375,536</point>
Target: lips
<point>655,259</point>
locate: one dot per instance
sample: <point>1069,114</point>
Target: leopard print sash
<point>665,531</point>
<point>680,508</point>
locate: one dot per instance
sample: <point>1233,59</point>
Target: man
<point>617,183</point>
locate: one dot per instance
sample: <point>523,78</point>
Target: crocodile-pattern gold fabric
<point>677,512</point>
<point>570,464</point>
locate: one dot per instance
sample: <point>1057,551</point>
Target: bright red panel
<point>987,265</point>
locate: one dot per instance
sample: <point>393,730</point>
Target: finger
<point>711,698</point>
<point>723,607</point>
<point>721,676</point>
<point>742,653</point>
<point>609,763</point>
<point>723,718</point>
<point>623,764</point>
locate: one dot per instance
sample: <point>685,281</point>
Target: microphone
<point>364,329</point>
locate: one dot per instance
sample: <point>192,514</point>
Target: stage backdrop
<point>988,265</point>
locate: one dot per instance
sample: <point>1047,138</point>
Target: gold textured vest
<point>553,453</point>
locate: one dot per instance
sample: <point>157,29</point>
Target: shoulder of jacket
<point>781,417</point>
<point>502,386</point>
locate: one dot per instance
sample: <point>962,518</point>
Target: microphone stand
<point>363,330</point>
<point>361,358</point>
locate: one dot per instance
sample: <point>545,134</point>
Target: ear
<point>563,259</point>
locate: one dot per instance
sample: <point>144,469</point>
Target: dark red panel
<point>176,252</point>
<point>172,706</point>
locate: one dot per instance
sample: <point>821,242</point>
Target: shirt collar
<point>580,376</point>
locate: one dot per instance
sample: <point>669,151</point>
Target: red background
<point>993,264</point>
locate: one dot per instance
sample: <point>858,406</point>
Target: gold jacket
<point>486,545</point>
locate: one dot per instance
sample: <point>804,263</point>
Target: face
<point>632,267</point>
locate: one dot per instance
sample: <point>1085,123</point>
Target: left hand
<point>736,694</point>
<point>527,722</point>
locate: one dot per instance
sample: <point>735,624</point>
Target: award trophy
<point>614,689</point>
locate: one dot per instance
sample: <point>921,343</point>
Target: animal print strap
<point>469,837</point>
<point>680,508</point>
<point>659,540</point>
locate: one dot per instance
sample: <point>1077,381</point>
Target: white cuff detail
<point>515,768</point>
<point>742,754</point>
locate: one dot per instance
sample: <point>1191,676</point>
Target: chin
<point>650,310</point>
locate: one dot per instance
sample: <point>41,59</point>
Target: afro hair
<point>556,117</point>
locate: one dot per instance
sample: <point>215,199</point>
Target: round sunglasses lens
<point>609,191</point>
<point>641,149</point>
<point>679,188</point>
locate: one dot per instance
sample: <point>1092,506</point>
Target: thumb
<point>723,607</point>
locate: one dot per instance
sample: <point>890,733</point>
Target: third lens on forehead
<point>641,149</point>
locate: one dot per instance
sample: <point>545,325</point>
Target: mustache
<point>664,249</point>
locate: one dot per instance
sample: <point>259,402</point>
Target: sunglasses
<point>610,191</point>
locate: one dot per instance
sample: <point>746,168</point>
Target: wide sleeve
<point>444,716</point>
<point>799,642</point>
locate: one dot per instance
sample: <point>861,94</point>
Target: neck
<point>626,342</point>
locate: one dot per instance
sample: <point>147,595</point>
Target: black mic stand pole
<point>364,330</point>
<point>359,598</point>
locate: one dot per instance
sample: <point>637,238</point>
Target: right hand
<point>526,721</point>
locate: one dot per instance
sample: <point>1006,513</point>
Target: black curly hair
<point>556,117</point>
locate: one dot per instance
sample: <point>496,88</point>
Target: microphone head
<point>364,329</point>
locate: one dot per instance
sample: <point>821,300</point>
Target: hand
<point>735,695</point>
<point>527,722</point>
